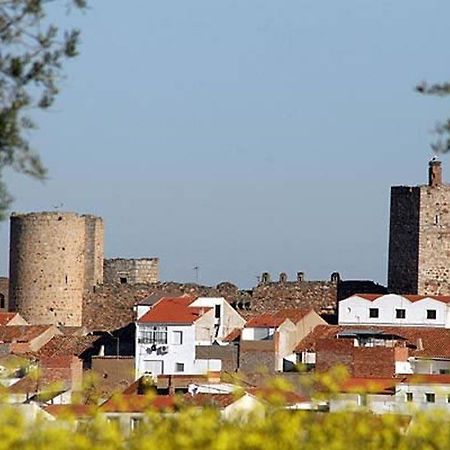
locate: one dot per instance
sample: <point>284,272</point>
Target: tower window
<point>374,313</point>
<point>431,314</point>
<point>2,301</point>
<point>123,280</point>
<point>400,313</point>
<point>436,219</point>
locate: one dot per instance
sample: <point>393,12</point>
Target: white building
<point>169,331</point>
<point>396,310</point>
<point>405,395</point>
<point>277,333</point>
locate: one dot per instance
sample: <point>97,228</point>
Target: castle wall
<point>434,239</point>
<point>4,293</point>
<point>131,271</point>
<point>47,265</point>
<point>273,296</point>
<point>404,239</point>
<point>94,251</point>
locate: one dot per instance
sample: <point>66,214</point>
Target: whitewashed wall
<point>355,311</point>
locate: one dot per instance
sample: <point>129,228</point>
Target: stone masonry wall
<point>131,271</point>
<point>404,240</point>
<point>94,251</point>
<point>4,293</point>
<point>320,295</point>
<point>434,238</point>
<point>47,267</point>
<point>53,258</point>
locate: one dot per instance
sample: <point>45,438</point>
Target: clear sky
<point>244,136</point>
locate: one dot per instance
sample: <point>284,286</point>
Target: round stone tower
<point>49,261</point>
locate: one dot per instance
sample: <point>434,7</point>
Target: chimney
<point>435,172</point>
<point>419,345</point>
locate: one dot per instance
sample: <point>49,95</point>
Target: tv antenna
<point>196,270</point>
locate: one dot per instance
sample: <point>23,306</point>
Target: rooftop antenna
<point>196,269</point>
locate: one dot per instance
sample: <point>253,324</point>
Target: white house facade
<point>395,310</point>
<point>169,332</point>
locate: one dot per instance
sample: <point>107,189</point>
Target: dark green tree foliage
<point>32,52</point>
<point>442,130</point>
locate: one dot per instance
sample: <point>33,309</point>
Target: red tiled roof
<point>56,361</point>
<point>411,298</point>
<point>67,345</point>
<point>70,410</point>
<point>294,314</point>
<point>54,381</point>
<point>212,400</point>
<point>138,403</point>
<point>371,385</point>
<point>265,321</point>
<point>174,310</point>
<point>423,341</point>
<point>427,379</point>
<point>278,395</point>
<point>21,333</point>
<point>6,317</point>
<point>235,334</point>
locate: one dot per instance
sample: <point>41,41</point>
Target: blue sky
<point>243,136</point>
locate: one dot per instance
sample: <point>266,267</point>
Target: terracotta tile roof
<point>287,398</point>
<point>369,385</point>
<point>211,400</point>
<point>176,310</point>
<point>6,317</point>
<point>67,345</point>
<point>427,379</point>
<point>52,380</point>
<point>293,314</point>
<point>411,298</point>
<point>76,411</point>
<point>235,334</point>
<point>21,333</point>
<point>265,321</point>
<point>138,403</point>
<point>56,361</point>
<point>422,341</point>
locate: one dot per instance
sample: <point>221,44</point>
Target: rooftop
<point>175,310</point>
<point>411,298</point>
<point>422,342</point>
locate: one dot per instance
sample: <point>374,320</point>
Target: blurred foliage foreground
<point>188,427</point>
<point>192,428</point>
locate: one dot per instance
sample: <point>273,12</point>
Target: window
<point>431,314</point>
<point>179,367</point>
<point>409,397</point>
<point>373,313</point>
<point>136,422</point>
<point>444,371</point>
<point>400,313</point>
<point>153,335</point>
<point>114,421</point>
<point>430,397</point>
<point>123,280</point>
<point>217,311</point>
<point>448,398</point>
<point>2,301</point>
<point>177,337</point>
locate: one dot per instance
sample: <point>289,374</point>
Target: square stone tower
<point>419,237</point>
